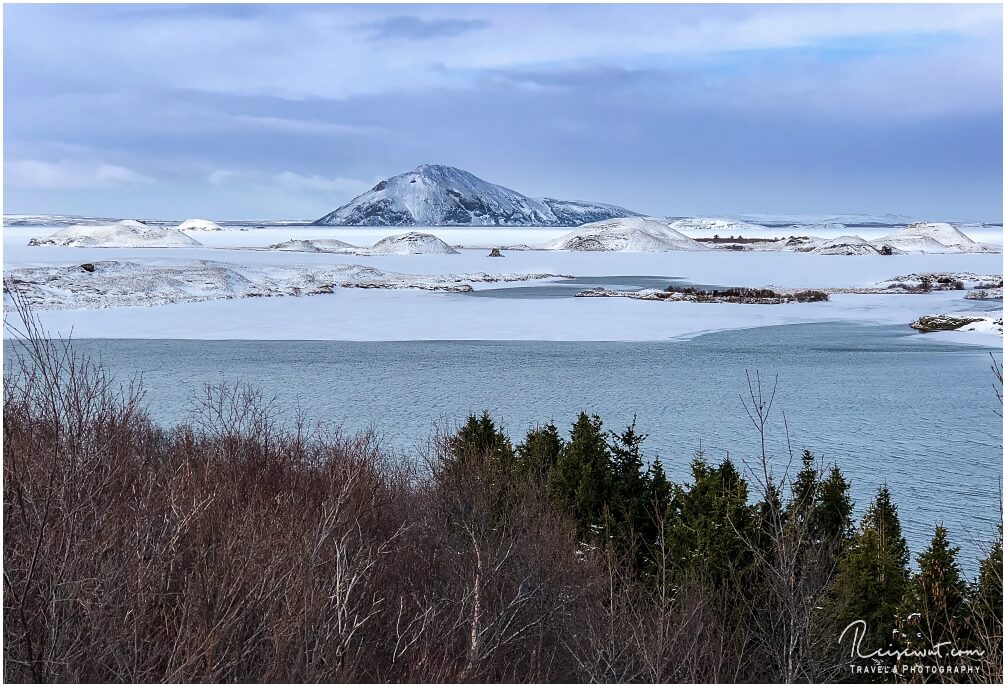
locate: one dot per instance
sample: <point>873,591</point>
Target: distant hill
<point>438,195</point>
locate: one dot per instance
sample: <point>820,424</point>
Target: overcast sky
<point>287,111</point>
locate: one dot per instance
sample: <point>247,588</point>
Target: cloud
<point>315,182</point>
<point>413,28</point>
<point>293,125</point>
<point>345,51</point>
<point>68,174</point>
<point>289,181</point>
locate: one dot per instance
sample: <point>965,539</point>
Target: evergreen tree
<point>987,595</point>
<point>581,480</point>
<point>985,618</point>
<point>658,488</point>
<point>804,490</point>
<point>935,603</point>
<point>628,479</point>
<point>711,525</point>
<point>873,574</point>
<point>480,438</point>
<point>833,509</point>
<point>538,454</point>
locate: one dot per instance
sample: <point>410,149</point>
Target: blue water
<point>884,403</point>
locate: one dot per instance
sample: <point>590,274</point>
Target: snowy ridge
<point>635,234</point>
<point>438,195</point>
<point>125,234</point>
<point>114,283</point>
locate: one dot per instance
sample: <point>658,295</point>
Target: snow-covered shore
<point>401,312</point>
<point>119,283</point>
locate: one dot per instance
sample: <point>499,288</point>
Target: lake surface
<point>884,403</point>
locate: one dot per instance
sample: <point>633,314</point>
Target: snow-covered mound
<point>637,234</point>
<point>799,244</point>
<point>709,226</point>
<point>933,237</point>
<point>125,234</point>
<point>315,246</point>
<point>412,243</point>
<point>847,245</point>
<point>438,195</point>
<point>199,225</point>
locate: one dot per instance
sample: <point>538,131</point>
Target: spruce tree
<point>581,480</point>
<point>479,437</point>
<point>804,490</point>
<point>628,479</point>
<point>833,509</point>
<point>935,604</point>
<point>711,525</point>
<point>658,488</point>
<point>538,454</point>
<point>873,574</point>
<point>985,617</point>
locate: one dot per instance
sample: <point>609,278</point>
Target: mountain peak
<point>438,195</point>
<point>427,168</point>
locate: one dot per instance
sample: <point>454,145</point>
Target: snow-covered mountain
<point>438,195</point>
<point>633,234</point>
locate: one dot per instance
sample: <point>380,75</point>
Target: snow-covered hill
<point>199,225</point>
<point>125,234</point>
<point>412,243</point>
<point>315,246</point>
<point>933,237</point>
<point>635,234</point>
<point>438,195</point>
<point>847,245</point>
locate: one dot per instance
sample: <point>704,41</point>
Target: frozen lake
<point>881,401</point>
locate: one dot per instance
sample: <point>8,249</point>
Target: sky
<point>288,111</point>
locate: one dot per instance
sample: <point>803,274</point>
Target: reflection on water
<point>886,404</point>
